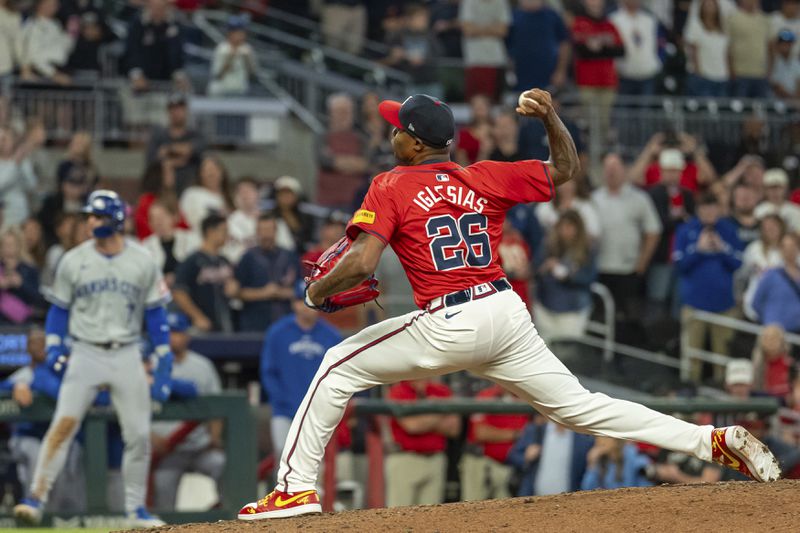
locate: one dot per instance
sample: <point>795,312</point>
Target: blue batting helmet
<point>107,204</point>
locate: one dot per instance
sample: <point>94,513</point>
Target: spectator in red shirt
<point>773,362</point>
<point>515,258</point>
<point>697,172</point>
<point>596,43</point>
<point>416,471</point>
<point>485,474</point>
<point>478,132</point>
<point>158,184</point>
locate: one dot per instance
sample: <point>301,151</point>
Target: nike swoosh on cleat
<point>283,503</point>
<point>448,316</point>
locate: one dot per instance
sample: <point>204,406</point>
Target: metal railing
<point>690,353</point>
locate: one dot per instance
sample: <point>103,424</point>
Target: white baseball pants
<point>492,337</point>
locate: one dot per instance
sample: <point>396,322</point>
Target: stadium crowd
<point>684,225</point>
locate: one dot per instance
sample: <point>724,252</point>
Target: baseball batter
<point>445,223</point>
<point>103,290</point>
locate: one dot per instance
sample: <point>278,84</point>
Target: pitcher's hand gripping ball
<point>365,292</point>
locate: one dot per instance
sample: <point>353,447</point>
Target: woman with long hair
<point>211,194</point>
<point>759,256</point>
<point>706,45</point>
<point>563,295</point>
<point>79,154</point>
<point>613,464</point>
<point>33,241</point>
<point>158,184</point>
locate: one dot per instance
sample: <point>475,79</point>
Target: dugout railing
<point>239,478</point>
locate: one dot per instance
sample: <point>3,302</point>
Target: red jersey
<point>445,222</point>
<point>594,71</point>
<point>688,177</point>
<point>496,450</point>
<point>425,442</point>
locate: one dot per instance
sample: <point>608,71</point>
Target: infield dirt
<point>726,507</point>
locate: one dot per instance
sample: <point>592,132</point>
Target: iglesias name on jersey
<point>458,211</point>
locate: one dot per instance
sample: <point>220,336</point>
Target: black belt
<point>473,293</point>
<point>104,345</point>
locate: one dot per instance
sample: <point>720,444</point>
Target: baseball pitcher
<point>445,222</point>
<point>103,290</point>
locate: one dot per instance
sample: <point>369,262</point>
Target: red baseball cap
<point>422,116</point>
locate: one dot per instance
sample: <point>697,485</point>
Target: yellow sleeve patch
<point>364,216</point>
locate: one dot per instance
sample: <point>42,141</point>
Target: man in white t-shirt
<point>776,186</point>
<point>639,32</point>
<point>234,61</point>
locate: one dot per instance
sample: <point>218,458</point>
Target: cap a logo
<point>449,142</point>
<point>411,126</point>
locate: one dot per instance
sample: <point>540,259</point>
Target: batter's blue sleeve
<point>184,389</point>
<point>56,323</point>
<point>45,381</point>
<point>157,326</point>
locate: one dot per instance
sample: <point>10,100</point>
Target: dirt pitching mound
<point>731,507</point>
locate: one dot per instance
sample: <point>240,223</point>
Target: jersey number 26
<point>450,235</point>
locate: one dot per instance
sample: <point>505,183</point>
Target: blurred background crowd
<point>685,116</point>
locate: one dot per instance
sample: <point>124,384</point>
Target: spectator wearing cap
<point>342,155</point>
<point>674,205</point>
<point>787,18</point>
<point>785,77</point>
<point>293,349</point>
<point>242,222</point>
<point>707,252</point>
<point>154,47</point>
<point>179,145</point>
<point>484,473</point>
<point>707,46</point>
<point>748,29</point>
<point>697,170</point>
<point>416,468</point>
<point>776,188</point>
<point>739,378</point>
<point>234,61</point>
<point>629,234</point>
<point>640,65</point>
<point>484,26</point>
<point>266,274</point>
<point>45,46</point>
<point>17,177</point>
<point>79,154</point>
<point>539,46</point>
<point>69,198</point>
<point>183,447</point>
<point>204,282</point>
<point>169,245</point>
<point>777,297</point>
<point>295,228</point>
<point>91,34</point>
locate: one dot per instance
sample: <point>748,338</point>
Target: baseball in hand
<point>534,103</point>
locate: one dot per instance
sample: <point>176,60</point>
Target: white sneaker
<point>736,448</point>
<point>28,511</point>
<point>141,519</point>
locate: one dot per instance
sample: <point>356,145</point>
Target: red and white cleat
<point>736,448</point>
<point>279,504</point>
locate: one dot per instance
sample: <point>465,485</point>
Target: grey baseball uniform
<point>106,298</point>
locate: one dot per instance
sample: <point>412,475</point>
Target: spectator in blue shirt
<point>777,297</point>
<point>293,350</point>
<point>707,252</point>
<point>539,45</point>
<point>613,464</point>
<point>266,274</point>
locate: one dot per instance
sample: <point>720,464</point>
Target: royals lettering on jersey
<point>445,221</point>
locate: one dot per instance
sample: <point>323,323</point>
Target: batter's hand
<point>535,103</point>
<point>57,359</point>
